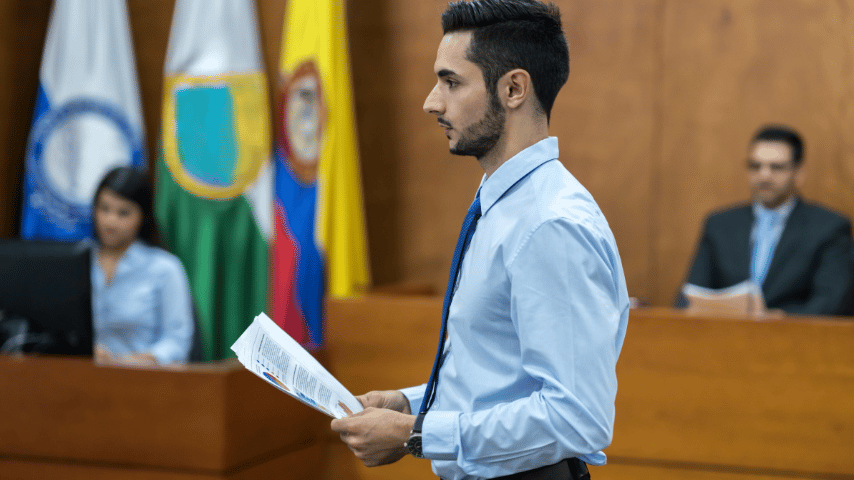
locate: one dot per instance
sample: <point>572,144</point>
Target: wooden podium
<point>68,418</point>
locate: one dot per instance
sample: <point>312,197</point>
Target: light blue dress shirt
<point>764,237</point>
<point>146,308</point>
<point>534,330</point>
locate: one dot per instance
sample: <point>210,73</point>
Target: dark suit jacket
<point>811,272</point>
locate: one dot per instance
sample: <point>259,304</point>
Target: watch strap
<point>419,421</point>
<point>414,443</point>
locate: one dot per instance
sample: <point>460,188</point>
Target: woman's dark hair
<point>131,184</point>
<point>509,34</point>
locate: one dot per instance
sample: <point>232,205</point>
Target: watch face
<point>414,445</point>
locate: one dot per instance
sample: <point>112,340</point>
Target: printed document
<point>267,351</point>
<point>744,298</point>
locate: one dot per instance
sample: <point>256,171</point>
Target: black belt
<point>569,469</point>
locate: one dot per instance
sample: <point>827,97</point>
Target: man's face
<point>472,118</point>
<point>772,172</point>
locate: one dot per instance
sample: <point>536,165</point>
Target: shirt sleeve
<point>568,305</point>
<point>414,395</point>
<point>176,315</point>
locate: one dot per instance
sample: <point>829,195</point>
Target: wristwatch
<point>413,444</point>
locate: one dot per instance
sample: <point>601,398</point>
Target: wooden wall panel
<point>271,19</point>
<point>605,120</point>
<point>373,72</point>
<point>23,26</point>
<point>150,22</point>
<point>729,66</point>
<point>416,192</point>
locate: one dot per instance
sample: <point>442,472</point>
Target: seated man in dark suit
<point>800,253</point>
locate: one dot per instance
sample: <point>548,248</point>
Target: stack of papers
<point>279,360</point>
<point>744,298</point>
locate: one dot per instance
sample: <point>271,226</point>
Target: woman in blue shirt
<point>141,300</point>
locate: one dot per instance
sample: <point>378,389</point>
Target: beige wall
<point>661,102</point>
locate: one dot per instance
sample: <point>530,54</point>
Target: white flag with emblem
<point>88,117</point>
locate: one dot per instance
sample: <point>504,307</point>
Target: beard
<point>479,139</point>
<point>773,196</point>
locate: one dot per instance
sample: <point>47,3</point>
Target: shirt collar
<point>136,252</point>
<point>518,166</point>
<point>782,212</point>
<point>134,255</point>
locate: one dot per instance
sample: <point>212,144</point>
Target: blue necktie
<point>763,246</point>
<point>469,224</point>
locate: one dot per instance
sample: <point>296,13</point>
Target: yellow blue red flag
<point>319,244</point>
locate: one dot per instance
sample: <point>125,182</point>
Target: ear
<point>514,88</point>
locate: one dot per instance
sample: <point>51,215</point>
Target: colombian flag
<point>319,240</point>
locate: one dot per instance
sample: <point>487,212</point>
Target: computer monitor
<point>49,284</point>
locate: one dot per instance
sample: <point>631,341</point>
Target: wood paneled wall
<point>662,100</point>
<point>23,26</point>
<point>728,67</point>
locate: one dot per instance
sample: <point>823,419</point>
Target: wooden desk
<point>699,397</point>
<point>736,395</point>
<point>67,418</point>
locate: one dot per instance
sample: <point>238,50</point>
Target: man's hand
<point>390,399</point>
<point>375,435</point>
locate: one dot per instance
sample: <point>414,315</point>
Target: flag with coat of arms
<point>213,191</point>
<point>88,117</point>
<point>320,242</point>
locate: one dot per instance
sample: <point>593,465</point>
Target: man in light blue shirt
<point>537,307</point>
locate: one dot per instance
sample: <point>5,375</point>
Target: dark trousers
<point>569,469</point>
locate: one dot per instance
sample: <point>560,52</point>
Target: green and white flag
<point>213,197</point>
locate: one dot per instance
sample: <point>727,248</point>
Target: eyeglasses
<point>754,166</point>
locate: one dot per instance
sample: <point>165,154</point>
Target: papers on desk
<point>279,360</point>
<point>744,298</point>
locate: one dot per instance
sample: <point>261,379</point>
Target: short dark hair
<point>132,184</point>
<point>508,34</point>
<point>782,133</point>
